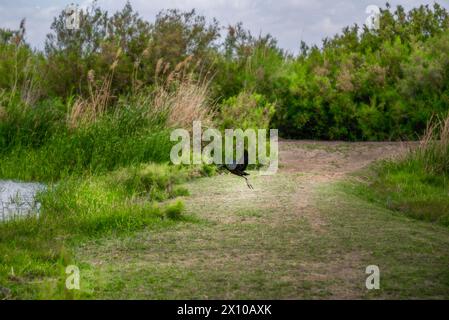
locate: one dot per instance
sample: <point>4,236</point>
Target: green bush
<point>361,84</point>
<point>246,111</point>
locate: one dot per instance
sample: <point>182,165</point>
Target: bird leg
<point>248,184</point>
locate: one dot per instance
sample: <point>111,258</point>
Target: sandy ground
<point>334,159</point>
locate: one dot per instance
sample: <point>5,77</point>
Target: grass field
<point>302,233</point>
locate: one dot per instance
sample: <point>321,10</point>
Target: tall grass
<point>417,184</point>
<point>187,103</point>
<point>88,110</point>
<point>105,161</point>
<point>181,96</point>
<point>92,135</point>
<point>433,151</point>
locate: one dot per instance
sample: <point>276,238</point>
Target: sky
<point>289,21</point>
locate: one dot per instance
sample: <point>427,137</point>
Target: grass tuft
<point>416,185</point>
<point>174,211</point>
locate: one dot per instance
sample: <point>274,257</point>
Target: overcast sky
<point>290,21</point>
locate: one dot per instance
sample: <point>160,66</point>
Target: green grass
<point>408,188</point>
<point>412,255</point>
<point>36,144</point>
<point>107,177</point>
<point>35,251</point>
<point>418,184</point>
<point>265,247</point>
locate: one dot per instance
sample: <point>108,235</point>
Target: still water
<point>17,199</point>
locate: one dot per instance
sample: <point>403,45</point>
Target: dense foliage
<point>362,84</point>
<point>369,84</point>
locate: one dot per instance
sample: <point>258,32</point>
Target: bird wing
<point>240,165</point>
<point>231,166</point>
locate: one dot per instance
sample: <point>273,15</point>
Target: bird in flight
<point>238,168</point>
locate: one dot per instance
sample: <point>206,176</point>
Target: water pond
<point>17,199</point>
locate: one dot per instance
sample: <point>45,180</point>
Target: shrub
<point>246,111</point>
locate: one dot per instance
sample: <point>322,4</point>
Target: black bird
<point>238,168</point>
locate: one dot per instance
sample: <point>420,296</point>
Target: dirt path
<point>286,239</point>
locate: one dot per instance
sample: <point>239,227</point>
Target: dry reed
<point>433,150</point>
